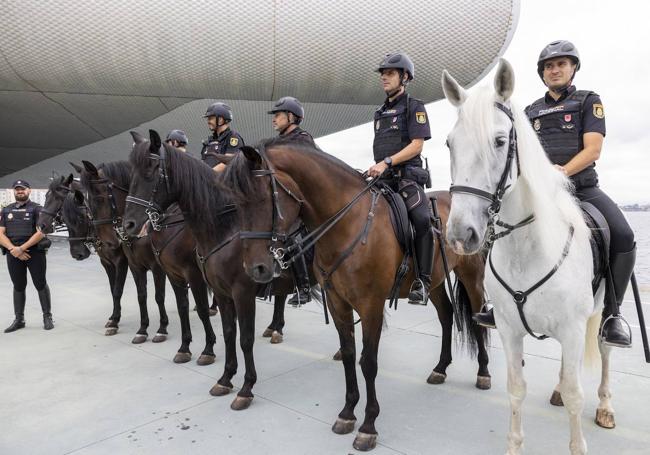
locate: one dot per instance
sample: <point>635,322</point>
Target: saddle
<point>599,240</point>
<point>399,218</point>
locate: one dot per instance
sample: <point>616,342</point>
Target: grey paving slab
<point>74,390</point>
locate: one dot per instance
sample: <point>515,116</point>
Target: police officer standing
<point>25,248</point>
<point>224,140</point>
<point>288,113</point>
<point>401,127</point>
<point>570,124</point>
<point>178,139</point>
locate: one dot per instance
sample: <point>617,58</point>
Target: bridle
<point>115,220</point>
<point>154,212</point>
<point>495,198</point>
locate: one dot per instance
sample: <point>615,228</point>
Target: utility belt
<point>419,175</point>
<point>586,178</point>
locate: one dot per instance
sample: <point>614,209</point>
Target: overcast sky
<point>613,38</point>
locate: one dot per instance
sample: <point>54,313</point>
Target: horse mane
<point>547,192</point>
<point>196,184</point>
<point>119,172</point>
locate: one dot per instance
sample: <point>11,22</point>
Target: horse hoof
<point>241,403</point>
<point>109,323</point>
<point>556,399</point>
<point>342,426</point>
<point>182,357</point>
<point>338,356</point>
<point>436,378</point>
<point>139,339</point>
<point>205,359</point>
<point>605,418</point>
<point>268,332</point>
<point>364,442</point>
<point>213,312</point>
<point>159,338</point>
<point>483,382</point>
<point>219,390</point>
<point>110,331</point>
<point>276,338</point>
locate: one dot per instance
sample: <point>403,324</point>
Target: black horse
<point>163,175</point>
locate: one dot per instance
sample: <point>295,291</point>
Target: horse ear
<point>68,180</point>
<point>225,159</point>
<point>251,154</point>
<point>137,137</point>
<point>76,167</point>
<point>90,167</point>
<point>504,80</point>
<point>78,197</point>
<point>452,89</point>
<point>154,139</point>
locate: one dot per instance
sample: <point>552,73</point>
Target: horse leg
<point>571,387</point>
<point>140,278</point>
<point>445,311</point>
<point>183,305</point>
<point>214,307</point>
<point>116,277</point>
<point>274,330</point>
<point>200,293</point>
<point>556,396</point>
<point>159,286</point>
<point>514,349</point>
<point>229,327</point>
<point>371,325</point>
<point>344,323</point>
<point>246,318</point>
<point>605,412</point>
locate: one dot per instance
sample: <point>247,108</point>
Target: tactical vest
<point>20,222</point>
<point>391,132</point>
<point>300,135</point>
<point>559,129</point>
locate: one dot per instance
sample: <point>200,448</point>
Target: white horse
<point>502,179</point>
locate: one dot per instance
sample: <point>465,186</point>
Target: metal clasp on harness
<point>154,219</point>
<point>278,256</point>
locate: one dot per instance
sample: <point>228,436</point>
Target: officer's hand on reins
<point>378,169</point>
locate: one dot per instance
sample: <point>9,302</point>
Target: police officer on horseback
<point>224,140</point>
<point>25,247</point>
<point>401,127</point>
<point>178,139</point>
<point>570,124</point>
<point>288,113</point>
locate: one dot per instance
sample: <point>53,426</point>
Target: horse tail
<point>592,352</point>
<point>462,306</point>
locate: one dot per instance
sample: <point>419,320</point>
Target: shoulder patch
<point>234,141</point>
<point>599,112</point>
<point>421,117</point>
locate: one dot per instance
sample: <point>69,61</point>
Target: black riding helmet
<point>400,61</point>
<point>219,110</point>
<point>561,48</point>
<point>289,104</point>
<point>177,135</point>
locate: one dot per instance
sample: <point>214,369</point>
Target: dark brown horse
<point>356,259</point>
<point>163,175</point>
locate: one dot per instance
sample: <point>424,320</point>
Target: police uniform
<point>229,141</point>
<point>299,135</point>
<point>19,220</point>
<point>560,126</point>
<point>397,123</point>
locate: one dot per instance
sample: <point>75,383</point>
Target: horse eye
<point>500,141</point>
<point>447,143</point>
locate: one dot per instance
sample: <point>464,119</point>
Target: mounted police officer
<point>178,139</point>
<point>288,113</point>
<point>570,124</point>
<point>401,127</point>
<point>25,248</point>
<point>224,140</point>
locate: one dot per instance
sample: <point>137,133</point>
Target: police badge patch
<point>599,112</point>
<point>234,141</point>
<point>10,216</point>
<point>421,117</point>
<point>537,124</point>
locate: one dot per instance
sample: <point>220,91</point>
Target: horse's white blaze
<point>561,307</point>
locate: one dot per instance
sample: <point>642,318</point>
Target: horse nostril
<point>472,236</point>
<point>262,274</point>
<point>129,225</point>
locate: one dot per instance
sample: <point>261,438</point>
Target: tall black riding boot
<point>613,329</point>
<point>301,278</point>
<point>419,294</point>
<point>19,311</point>
<point>46,306</point>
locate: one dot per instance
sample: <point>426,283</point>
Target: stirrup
<point>602,339</point>
<point>425,295</point>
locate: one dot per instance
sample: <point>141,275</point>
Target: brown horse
<point>356,258</point>
<point>163,175</point>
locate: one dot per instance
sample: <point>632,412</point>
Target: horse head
<point>75,215</point>
<point>56,194</point>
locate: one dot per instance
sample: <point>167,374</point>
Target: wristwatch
<point>389,161</point>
